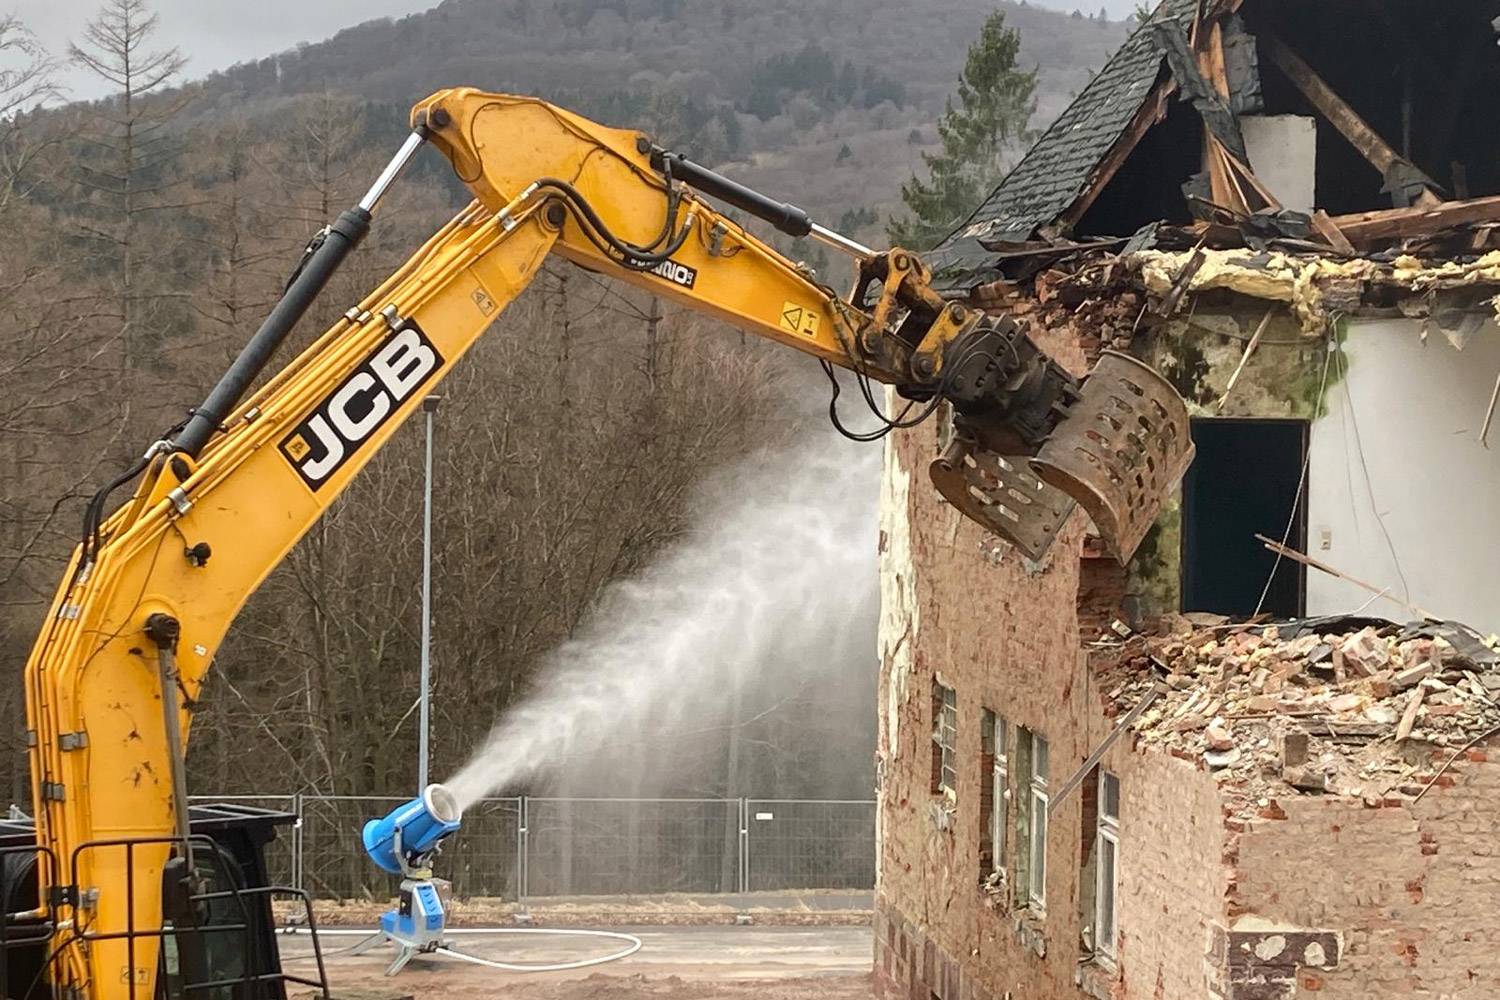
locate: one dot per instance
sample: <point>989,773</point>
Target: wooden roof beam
<point>1366,228</point>
<point>1339,114</point>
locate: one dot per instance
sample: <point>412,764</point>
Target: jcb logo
<point>364,401</point>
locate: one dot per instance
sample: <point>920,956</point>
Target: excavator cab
<point>218,935</point>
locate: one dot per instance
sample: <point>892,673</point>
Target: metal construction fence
<point>518,848</point>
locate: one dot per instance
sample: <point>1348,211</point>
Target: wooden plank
<point>1364,228</point>
<point>1346,732</point>
<point>1225,191</point>
<point>1331,233</point>
<point>1306,560</point>
<point>1268,200</point>
<point>1211,61</point>
<point>1409,717</point>
<point>1245,358</point>
<point>1151,111</point>
<point>1460,174</point>
<point>1489,416</point>
<point>1222,190</point>
<point>1332,107</point>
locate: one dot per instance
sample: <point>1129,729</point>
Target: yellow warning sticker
<point>297,447</point>
<point>799,319</point>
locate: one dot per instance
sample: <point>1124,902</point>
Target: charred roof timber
<point>1189,124</point>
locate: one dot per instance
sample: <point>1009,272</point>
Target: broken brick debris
<point>1278,708</point>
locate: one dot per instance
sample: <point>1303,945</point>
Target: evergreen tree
<point>994,102</point>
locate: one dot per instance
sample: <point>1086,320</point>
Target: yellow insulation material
<point>1298,281</point>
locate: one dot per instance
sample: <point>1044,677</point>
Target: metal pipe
<point>166,668</point>
<point>1155,691</point>
<point>429,407</point>
<point>788,218</point>
<point>840,242</point>
<point>392,170</point>
<point>164,631</point>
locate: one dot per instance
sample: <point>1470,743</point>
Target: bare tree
<point>129,131</point>
<point>26,82</point>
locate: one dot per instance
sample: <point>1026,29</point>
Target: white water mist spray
<point>775,580</point>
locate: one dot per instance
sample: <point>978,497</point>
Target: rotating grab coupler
<point>404,843</point>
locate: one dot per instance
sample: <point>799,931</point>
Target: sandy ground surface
<point>674,963</point>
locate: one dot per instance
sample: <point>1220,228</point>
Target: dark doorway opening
<point>1244,482</point>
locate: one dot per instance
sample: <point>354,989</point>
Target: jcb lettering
<point>361,394</point>
<point>404,362</point>
<point>356,409</point>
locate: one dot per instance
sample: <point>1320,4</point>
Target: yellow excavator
<point>121,910</point>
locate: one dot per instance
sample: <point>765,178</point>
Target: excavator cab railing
<point>217,940</point>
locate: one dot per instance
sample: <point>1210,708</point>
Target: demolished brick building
<point>1260,759</point>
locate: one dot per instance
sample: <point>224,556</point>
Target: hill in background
<point>827,104</point>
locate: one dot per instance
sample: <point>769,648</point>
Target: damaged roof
<point>1280,62</point>
<point>1057,169</point>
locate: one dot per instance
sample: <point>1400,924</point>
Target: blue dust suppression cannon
<point>404,842</point>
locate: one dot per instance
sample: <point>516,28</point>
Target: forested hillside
<point>146,238</point>
<point>829,103</point>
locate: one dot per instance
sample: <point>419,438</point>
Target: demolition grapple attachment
<point>1030,441</point>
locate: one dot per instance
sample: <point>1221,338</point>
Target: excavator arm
<point>153,587</point>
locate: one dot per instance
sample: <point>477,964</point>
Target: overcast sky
<point>214,34</point>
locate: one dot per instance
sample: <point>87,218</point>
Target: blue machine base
<point>415,926</point>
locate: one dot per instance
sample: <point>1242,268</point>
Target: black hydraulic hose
<point>673,199</point>
<point>599,233</point>
<point>338,242</point>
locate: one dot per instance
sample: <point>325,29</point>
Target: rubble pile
<point>1352,711</point>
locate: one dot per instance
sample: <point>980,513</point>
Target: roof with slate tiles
<point>1056,170</point>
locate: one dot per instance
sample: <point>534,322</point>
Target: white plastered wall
<point>1399,489</point>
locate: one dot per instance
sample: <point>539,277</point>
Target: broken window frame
<point>1031,821</point>
<point>999,794</point>
<point>1107,870</point>
<point>944,739</point>
<point>994,735</point>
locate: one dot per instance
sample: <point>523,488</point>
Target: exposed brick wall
<point>1410,889</point>
<point>1008,641</point>
<point>956,602</point>
<point>1102,584</point>
<point>1171,875</point>
<point>1344,897</point>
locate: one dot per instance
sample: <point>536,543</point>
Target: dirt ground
<point>640,987</point>
<point>674,963</point>
<point>820,907</point>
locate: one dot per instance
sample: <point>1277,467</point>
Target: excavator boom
<point>154,586</point>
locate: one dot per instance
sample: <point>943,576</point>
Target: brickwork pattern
<point>1410,888</point>
<point>1006,637</point>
